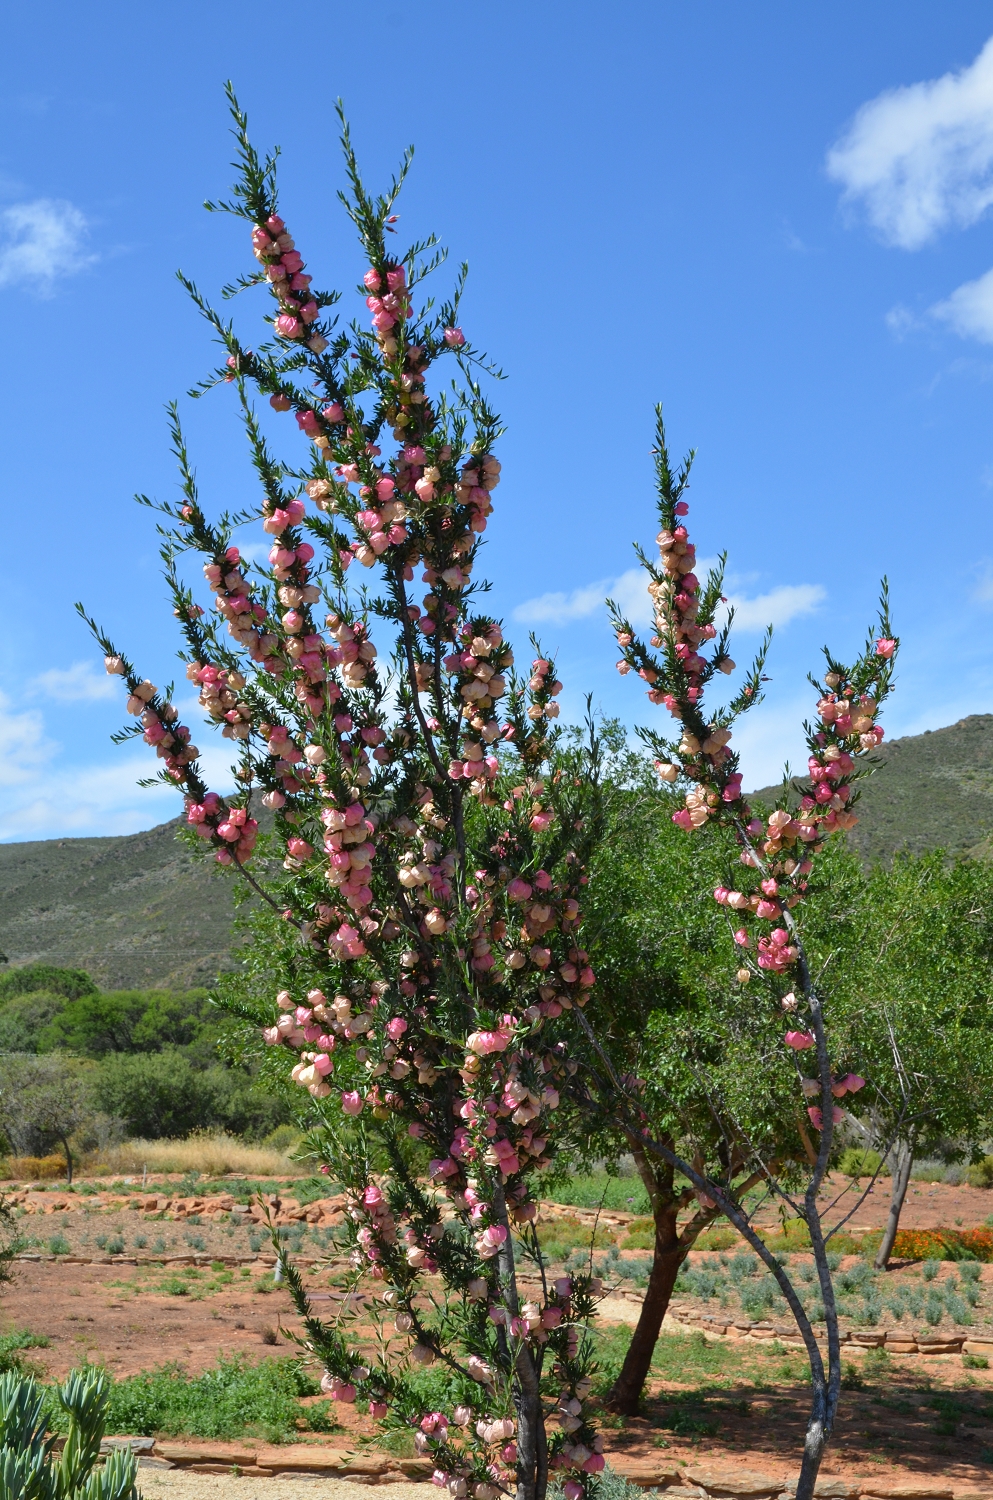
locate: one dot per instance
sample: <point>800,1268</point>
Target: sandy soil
<point>912,1419</point>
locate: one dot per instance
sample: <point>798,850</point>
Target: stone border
<point>694,1482</point>
<point>198,1258</point>
<point>894,1340</point>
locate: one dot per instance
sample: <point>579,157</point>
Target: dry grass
<point>32,1168</point>
<point>210,1155</point>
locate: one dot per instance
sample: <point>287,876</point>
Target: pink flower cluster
<point>213,819</point>
<point>276,252</point>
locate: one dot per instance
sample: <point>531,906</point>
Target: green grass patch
<point>13,1345</point>
<point>233,1399</point>
<point>625,1194</point>
<point>559,1237</point>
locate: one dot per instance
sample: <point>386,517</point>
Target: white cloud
<point>969,309</point>
<point>48,794</point>
<point>80,683</point>
<point>40,243</point>
<point>920,158</point>
<point>559,608</point>
<point>94,800</point>
<point>778,607</point>
<point>23,747</point>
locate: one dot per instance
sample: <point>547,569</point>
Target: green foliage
<point>857,1162</point>
<point>600,1189</point>
<point>30,1470</point>
<point>13,1345</point>
<point>980,1174</point>
<point>24,1018</point>
<point>29,979</point>
<point>163,1094</point>
<point>233,1398</point>
<point>95,1024</point>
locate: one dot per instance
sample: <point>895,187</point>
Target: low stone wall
<point>893,1340</point>
<point>693,1482</point>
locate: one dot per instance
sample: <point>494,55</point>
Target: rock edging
<point>699,1482</point>
<point>893,1340</point>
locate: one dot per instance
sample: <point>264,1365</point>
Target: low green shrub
<point>12,1346</point>
<point>980,1174</point>
<point>858,1161</point>
<point>233,1398</point>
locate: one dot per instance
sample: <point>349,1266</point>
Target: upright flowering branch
<point>427,851</point>
<point>776,854</point>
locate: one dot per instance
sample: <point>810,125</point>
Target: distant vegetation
<point>95,1066</point>
<point>137,911</point>
<point>932,791</point>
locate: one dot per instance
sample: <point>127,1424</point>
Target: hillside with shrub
<point>135,910</point>
<point>138,911</point>
<point>84,1067</point>
<point>931,791</point>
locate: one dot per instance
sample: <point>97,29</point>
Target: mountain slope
<point>135,911</point>
<point>932,790</point>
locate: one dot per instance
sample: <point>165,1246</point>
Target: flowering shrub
<point>943,1244</point>
<point>775,859</point>
<point>427,855</point>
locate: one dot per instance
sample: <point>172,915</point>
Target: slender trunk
<point>669,1256</point>
<point>65,1147</point>
<point>903,1160</point>
<point>532,1455</point>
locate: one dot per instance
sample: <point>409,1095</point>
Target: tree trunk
<point>668,1257</point>
<point>65,1147</point>
<point>532,1449</point>
<point>903,1160</point>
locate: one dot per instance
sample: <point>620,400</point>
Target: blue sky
<point>774,218</point>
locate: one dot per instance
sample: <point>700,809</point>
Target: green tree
<point>159,1094</point>
<point>43,1102</point>
<point>32,977</point>
<point>24,1019</point>
<point>914,982</point>
<point>669,1005</point>
<point>95,1024</point>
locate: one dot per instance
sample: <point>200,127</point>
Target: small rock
<point>907,1491</point>
<point>745,1483</point>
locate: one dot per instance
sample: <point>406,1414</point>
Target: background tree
<point>666,1007</point>
<point>916,977</point>
<point>43,1102</point>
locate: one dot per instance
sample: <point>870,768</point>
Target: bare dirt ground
<point>912,1420</point>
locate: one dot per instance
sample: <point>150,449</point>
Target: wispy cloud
<point>79,683</point>
<point>920,158</point>
<point>41,243</point>
<point>790,601</point>
<point>969,309</point>
<point>777,607</point>
<point>561,608</point>
<point>46,796</point>
<point>24,750</point>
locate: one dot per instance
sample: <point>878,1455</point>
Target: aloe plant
<point>30,1469</point>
